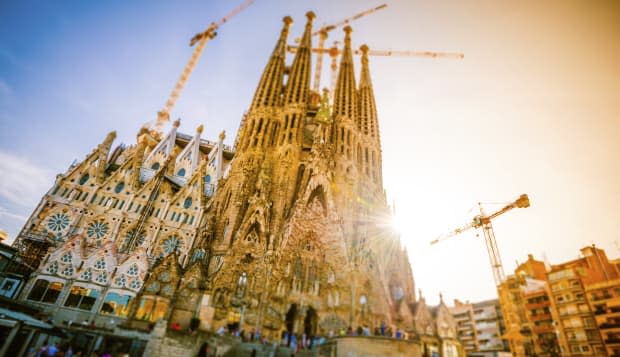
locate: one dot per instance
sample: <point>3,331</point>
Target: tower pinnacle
<point>298,85</point>
<point>367,108</point>
<point>270,85</point>
<point>344,96</point>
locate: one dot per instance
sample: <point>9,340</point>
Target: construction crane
<point>334,52</point>
<point>322,32</point>
<point>484,221</point>
<point>201,39</point>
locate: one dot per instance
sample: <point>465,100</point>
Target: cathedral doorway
<point>291,315</point>
<point>311,322</point>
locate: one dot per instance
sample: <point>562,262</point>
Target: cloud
<point>21,182</point>
<point>5,213</point>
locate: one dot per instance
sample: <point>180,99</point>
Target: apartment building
<point>463,313</point>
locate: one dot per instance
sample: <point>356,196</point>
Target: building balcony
<point>610,325</point>
<point>540,317</point>
<point>539,305</point>
<point>542,329</point>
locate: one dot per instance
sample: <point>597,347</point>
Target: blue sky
<point>533,108</point>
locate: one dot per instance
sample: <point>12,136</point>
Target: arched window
<point>181,173</point>
<point>119,187</point>
<point>84,179</point>
<point>155,166</point>
<point>242,284</point>
<point>208,179</point>
<point>187,203</point>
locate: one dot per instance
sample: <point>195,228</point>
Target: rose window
<point>57,223</point>
<point>138,240</point>
<point>97,230</point>
<point>171,244</point>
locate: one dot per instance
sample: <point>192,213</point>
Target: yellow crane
<point>484,221</point>
<point>334,52</point>
<point>201,39</point>
<point>322,32</point>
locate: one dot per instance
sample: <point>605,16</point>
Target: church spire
<point>270,85</point>
<point>298,84</point>
<point>344,98</point>
<point>366,108</point>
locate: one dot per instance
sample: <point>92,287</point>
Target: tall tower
<point>300,225</point>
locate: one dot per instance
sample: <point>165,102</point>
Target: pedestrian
<point>204,350</point>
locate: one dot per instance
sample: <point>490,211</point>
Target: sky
<point>534,107</point>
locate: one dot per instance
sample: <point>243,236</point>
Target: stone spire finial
<point>298,85</point>
<point>222,135</point>
<point>271,82</point>
<point>200,129</point>
<point>345,93</point>
<point>177,123</point>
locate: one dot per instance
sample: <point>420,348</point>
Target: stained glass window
<point>135,284</point>
<point>84,179</point>
<point>181,172</point>
<point>57,223</point>
<point>188,202</point>
<point>68,271</point>
<point>138,241</point>
<point>121,280</point>
<point>66,258</point>
<point>133,270</point>
<point>102,278</point>
<point>87,274</point>
<point>97,229</point>
<point>53,268</point>
<point>100,264</point>
<point>119,187</point>
<point>171,244</point>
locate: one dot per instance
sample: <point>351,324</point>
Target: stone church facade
<point>289,230</point>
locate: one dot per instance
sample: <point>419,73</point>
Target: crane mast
<point>201,38</point>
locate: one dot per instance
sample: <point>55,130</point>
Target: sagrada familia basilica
<point>287,230</point>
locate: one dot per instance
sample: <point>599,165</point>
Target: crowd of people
<point>51,350</point>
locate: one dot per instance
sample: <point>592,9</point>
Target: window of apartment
<point>82,297</point>
<point>45,291</point>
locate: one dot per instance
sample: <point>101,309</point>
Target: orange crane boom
<point>201,38</point>
<point>322,32</point>
<point>334,52</point>
<point>484,221</point>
